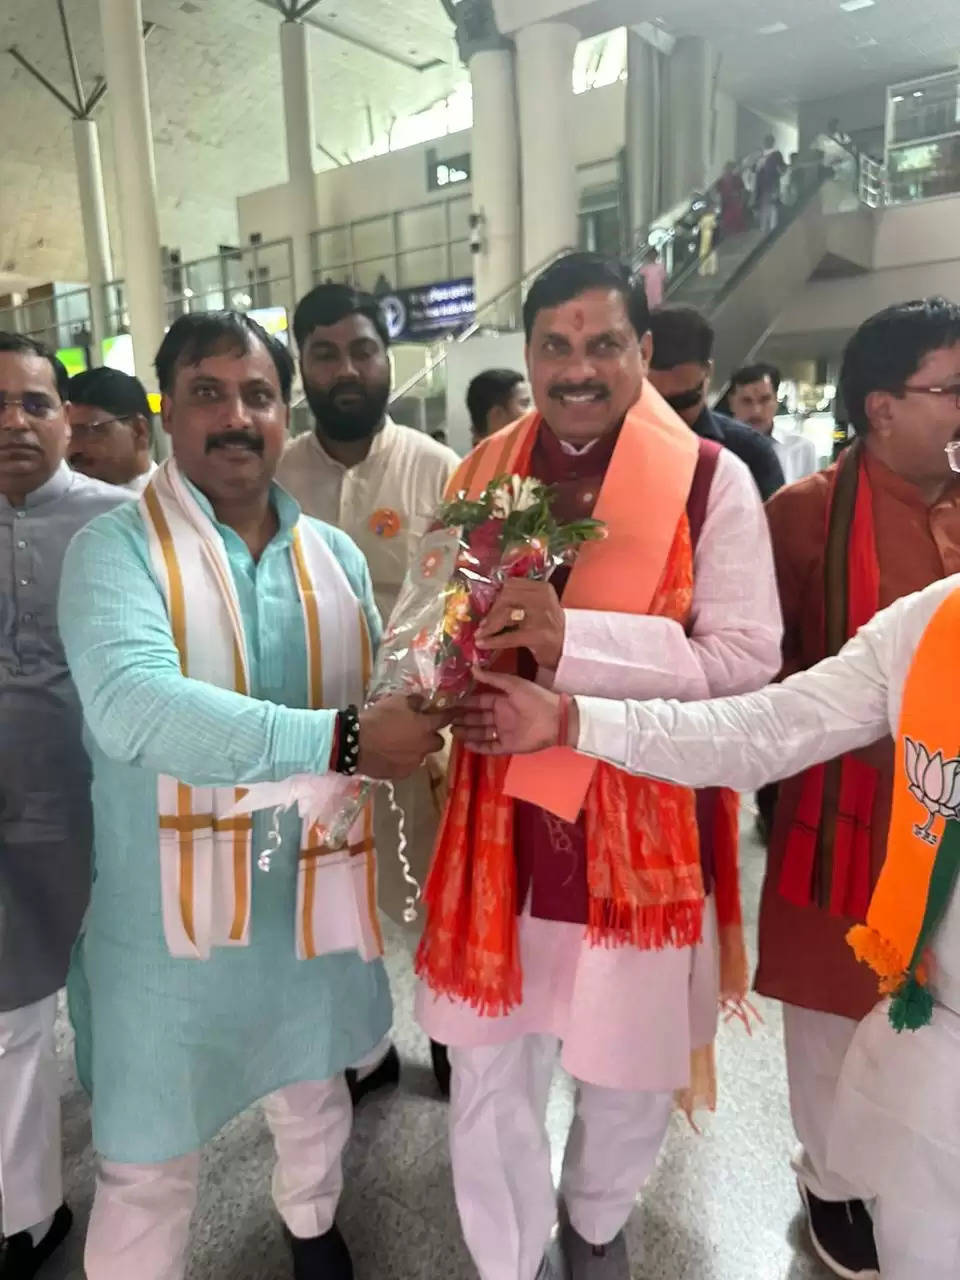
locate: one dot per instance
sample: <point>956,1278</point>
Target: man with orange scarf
<point>567,903</point>
<point>884,521</point>
<point>893,1131</point>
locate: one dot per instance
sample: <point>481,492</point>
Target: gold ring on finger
<point>518,615</point>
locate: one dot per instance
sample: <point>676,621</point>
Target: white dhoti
<point>31,1185</point>
<point>500,1154</point>
<point>816,1045</point>
<point>140,1223</point>
<point>896,1133</point>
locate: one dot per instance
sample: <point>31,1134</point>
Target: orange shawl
<point>643,864</point>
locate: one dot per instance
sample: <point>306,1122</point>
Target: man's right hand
<point>395,739</point>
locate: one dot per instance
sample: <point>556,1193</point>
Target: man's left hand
<point>527,615</point>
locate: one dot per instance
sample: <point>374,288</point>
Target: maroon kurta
<point>551,854</point>
<point>804,956</point>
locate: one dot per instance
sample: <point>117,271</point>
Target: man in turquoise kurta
<point>173,1048</point>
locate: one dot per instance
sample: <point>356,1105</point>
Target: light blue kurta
<point>174,1048</point>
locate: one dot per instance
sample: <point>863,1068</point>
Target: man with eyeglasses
<point>45,822</point>
<point>111,426</point>
<point>883,522</point>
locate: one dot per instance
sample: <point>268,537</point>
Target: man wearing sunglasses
<point>45,822</point>
<point>110,422</point>
<point>880,524</point>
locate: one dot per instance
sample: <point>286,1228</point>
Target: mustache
<point>578,389</point>
<point>223,438</point>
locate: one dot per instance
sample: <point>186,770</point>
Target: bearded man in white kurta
<point>532,872</point>
<point>894,1129</point>
<point>381,483</point>
<point>219,639</point>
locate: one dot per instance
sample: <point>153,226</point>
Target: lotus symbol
<point>935,782</point>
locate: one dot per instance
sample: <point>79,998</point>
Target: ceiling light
<point>918,93</point>
<point>897,97</point>
<point>851,6</point>
<point>773,29</point>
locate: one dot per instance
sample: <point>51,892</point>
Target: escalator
<point>754,276</point>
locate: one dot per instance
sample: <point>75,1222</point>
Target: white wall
<point>916,253</point>
<point>753,126</point>
<point>399,180</point>
<point>724,132</point>
<point>861,113</point>
<point>464,361</point>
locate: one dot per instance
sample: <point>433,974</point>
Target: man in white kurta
<point>894,1128</point>
<point>217,640</point>
<point>623,1019</point>
<point>381,483</point>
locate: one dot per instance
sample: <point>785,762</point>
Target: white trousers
<point>31,1185</point>
<point>500,1153</point>
<point>917,1241</point>
<point>816,1045</point>
<point>140,1223</point>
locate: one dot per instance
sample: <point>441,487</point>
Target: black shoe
<point>441,1066</point>
<point>323,1257</point>
<point>841,1232</point>
<point>21,1259</point>
<point>386,1075</point>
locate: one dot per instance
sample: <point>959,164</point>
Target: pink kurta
<point>629,1018</point>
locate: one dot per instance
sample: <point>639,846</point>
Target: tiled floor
<point>720,1207</point>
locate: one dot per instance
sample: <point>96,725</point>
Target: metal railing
<point>504,311</point>
<point>244,279</point>
<point>390,262</point>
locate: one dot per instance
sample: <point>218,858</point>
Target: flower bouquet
<point>429,649</point>
<point>475,545</point>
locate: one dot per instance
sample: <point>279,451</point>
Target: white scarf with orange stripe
<point>206,853</point>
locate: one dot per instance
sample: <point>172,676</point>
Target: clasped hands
<point>505,715</point>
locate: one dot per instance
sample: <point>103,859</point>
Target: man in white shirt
<point>111,428</point>
<point>381,483</point>
<point>893,1127</point>
<point>752,399</point>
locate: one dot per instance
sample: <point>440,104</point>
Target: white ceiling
<point>824,51</point>
<point>214,71</point>
<point>217,109</point>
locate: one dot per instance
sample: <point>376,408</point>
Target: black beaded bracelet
<point>348,742</point>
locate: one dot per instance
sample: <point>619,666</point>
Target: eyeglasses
<point>33,403</point>
<point>95,430</point>
<point>937,391</point>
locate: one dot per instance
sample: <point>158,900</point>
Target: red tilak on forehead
<point>579,319</point>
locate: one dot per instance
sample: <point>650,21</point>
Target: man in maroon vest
<point>627,1015</point>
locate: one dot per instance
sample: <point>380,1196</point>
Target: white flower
<point>526,492</point>
<point>502,501</point>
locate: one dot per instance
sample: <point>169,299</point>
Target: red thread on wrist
<point>335,747</point>
<point>564,728</point>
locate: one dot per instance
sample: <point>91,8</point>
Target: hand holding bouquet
<point>476,547</point>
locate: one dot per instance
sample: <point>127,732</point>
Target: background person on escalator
<point>681,369</point>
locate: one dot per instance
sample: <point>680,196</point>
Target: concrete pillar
<point>549,179</point>
<point>496,172</point>
<point>301,134</point>
<point>644,154</point>
<point>121,22</point>
<point>96,234</point>
<point>690,110</point>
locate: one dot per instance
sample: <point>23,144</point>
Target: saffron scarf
<point>643,864</point>
<point>919,874</point>
<point>827,857</point>
<point>205,847</point>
